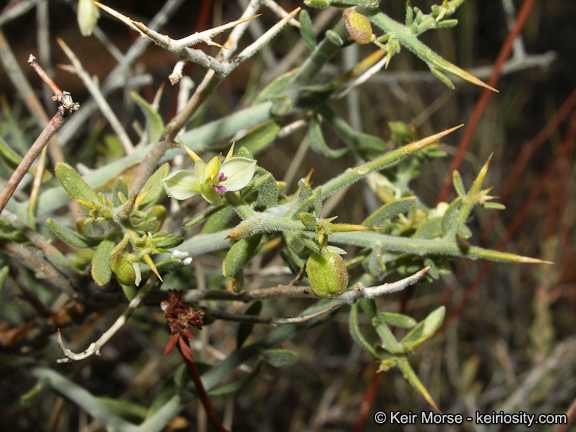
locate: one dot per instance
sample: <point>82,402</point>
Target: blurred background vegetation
<point>508,342</point>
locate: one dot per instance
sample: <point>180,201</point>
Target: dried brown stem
<point>65,109</point>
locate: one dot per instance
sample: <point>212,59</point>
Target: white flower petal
<point>181,185</point>
<point>238,172</point>
<point>211,195</point>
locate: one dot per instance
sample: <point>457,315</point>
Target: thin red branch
<point>521,19</point>
<point>565,150</point>
<point>186,352</point>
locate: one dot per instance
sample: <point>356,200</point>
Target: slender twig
<point>94,348</point>
<point>27,94</point>
<point>484,98</point>
<point>293,291</point>
<point>273,321</point>
<point>280,11</point>
<point>119,77</point>
<point>20,8</point>
<point>65,109</point>
<point>98,97</point>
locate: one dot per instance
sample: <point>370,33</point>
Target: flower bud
<point>88,14</point>
<point>327,274</point>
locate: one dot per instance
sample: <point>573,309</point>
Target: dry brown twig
<point>66,106</point>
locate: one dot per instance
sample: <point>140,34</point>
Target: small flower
<point>211,179</point>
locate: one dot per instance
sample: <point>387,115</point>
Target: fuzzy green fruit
<point>327,274</point>
<point>358,26</point>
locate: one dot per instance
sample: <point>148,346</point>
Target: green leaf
<point>356,333</point>
<point>73,238</point>
<point>127,410</point>
<point>101,271</point>
<point>236,385</point>
<point>318,144</point>
<point>120,189</point>
<point>74,185</point>
<point>390,210</point>
<point>3,275</point>
<point>493,206</point>
<point>154,187</point>
<point>279,357</point>
<point>275,87</point>
<point>450,216</point>
<point>431,229</point>
<point>398,320</point>
<point>413,379</point>
<point>245,329</point>
<point>307,30</point>
<point>260,136</point>
<point>267,190</point>
<point>458,184</point>
<point>463,231</point>
<point>240,254</point>
<point>154,123</point>
<point>424,330</point>
<point>202,217</point>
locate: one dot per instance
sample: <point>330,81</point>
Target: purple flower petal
<point>222,177</point>
<point>219,189</point>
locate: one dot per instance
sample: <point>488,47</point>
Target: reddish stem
<point>485,97</point>
<point>184,348</point>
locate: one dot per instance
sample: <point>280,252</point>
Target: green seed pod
<point>327,274</point>
<point>358,26</point>
<point>123,269</point>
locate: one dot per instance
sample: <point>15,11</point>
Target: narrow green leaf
<point>413,379</point>
<point>424,330</point>
<point>240,254</point>
<point>154,123</point>
<point>493,206</point>
<point>127,410</point>
<point>9,156</point>
<point>431,229</point>
<point>120,189</point>
<point>463,231</point>
<point>267,190</point>
<point>101,271</point>
<point>154,187</point>
<point>275,87</point>
<point>388,211</point>
<point>442,77</point>
<point>3,275</point>
<point>73,238</point>
<point>245,329</point>
<point>450,216</point>
<point>279,357</point>
<point>356,333</point>
<point>318,144</point>
<point>458,184</point>
<point>307,30</point>
<point>74,185</point>
<point>260,136</point>
<point>398,320</point>
<point>236,385</point>
<point>202,217</point>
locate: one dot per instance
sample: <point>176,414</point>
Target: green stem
<point>423,247</point>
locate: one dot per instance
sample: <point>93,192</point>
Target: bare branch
<point>94,348</point>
